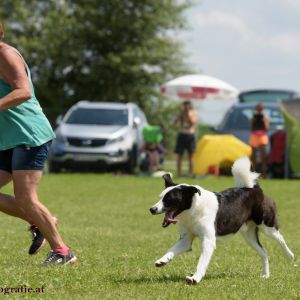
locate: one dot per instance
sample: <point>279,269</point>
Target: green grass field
<point>106,221</point>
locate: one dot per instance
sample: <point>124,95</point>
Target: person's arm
<point>193,118</point>
<point>267,123</point>
<point>13,72</point>
<point>178,118</point>
<point>251,123</point>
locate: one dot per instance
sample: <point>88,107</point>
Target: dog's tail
<point>242,174</point>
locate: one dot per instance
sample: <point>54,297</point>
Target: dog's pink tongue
<point>168,219</point>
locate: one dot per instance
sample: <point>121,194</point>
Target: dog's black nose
<point>153,210</point>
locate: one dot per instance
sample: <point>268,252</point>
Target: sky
<point>249,44</point>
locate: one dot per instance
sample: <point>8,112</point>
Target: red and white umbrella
<point>199,87</point>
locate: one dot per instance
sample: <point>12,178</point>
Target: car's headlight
<point>115,140</point>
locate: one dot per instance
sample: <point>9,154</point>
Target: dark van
<point>267,95</point>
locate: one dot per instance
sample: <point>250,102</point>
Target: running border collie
<point>208,215</point>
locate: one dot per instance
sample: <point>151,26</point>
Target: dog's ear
<point>191,189</point>
<point>168,180</point>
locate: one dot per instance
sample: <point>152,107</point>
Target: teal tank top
<point>24,124</point>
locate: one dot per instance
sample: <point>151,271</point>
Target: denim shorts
<point>23,157</point>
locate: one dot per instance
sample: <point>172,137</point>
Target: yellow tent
<point>218,151</point>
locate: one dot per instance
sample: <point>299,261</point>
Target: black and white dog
<point>208,215</point>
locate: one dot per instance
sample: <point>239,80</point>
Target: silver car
<point>98,134</point>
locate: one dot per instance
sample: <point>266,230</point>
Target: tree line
<point>100,50</point>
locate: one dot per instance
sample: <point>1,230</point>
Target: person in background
<point>187,120</point>
<point>153,149</point>
<point>154,152</point>
<point>258,140</point>
<point>25,135</point>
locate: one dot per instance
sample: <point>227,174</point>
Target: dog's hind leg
<point>183,244</point>
<point>274,233</point>
<point>250,234</point>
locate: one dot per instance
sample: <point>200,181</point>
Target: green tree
<point>100,50</point>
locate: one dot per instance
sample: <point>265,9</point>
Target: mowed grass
<point>106,221</point>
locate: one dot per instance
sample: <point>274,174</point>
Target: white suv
<point>98,134</point>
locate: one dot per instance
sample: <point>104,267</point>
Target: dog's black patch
<point>179,199</point>
<point>239,205</point>
<point>270,213</point>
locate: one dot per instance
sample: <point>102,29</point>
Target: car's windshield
<point>267,96</point>
<point>239,118</point>
<point>98,116</point>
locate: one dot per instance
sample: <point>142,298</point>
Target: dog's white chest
<point>202,213</point>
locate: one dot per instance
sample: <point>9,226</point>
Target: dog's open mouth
<point>169,218</point>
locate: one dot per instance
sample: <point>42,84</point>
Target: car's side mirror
<point>58,120</point>
<point>136,122</point>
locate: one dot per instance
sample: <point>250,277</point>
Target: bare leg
<point>253,158</point>
<point>7,202</point>
<point>156,160</point>
<point>263,160</point>
<point>25,188</point>
<point>5,178</point>
<point>191,164</point>
<point>179,160</point>
<point>150,156</point>
<point>153,160</point>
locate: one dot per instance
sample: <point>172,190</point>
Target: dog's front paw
<point>265,276</point>
<point>192,280</point>
<point>160,263</point>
